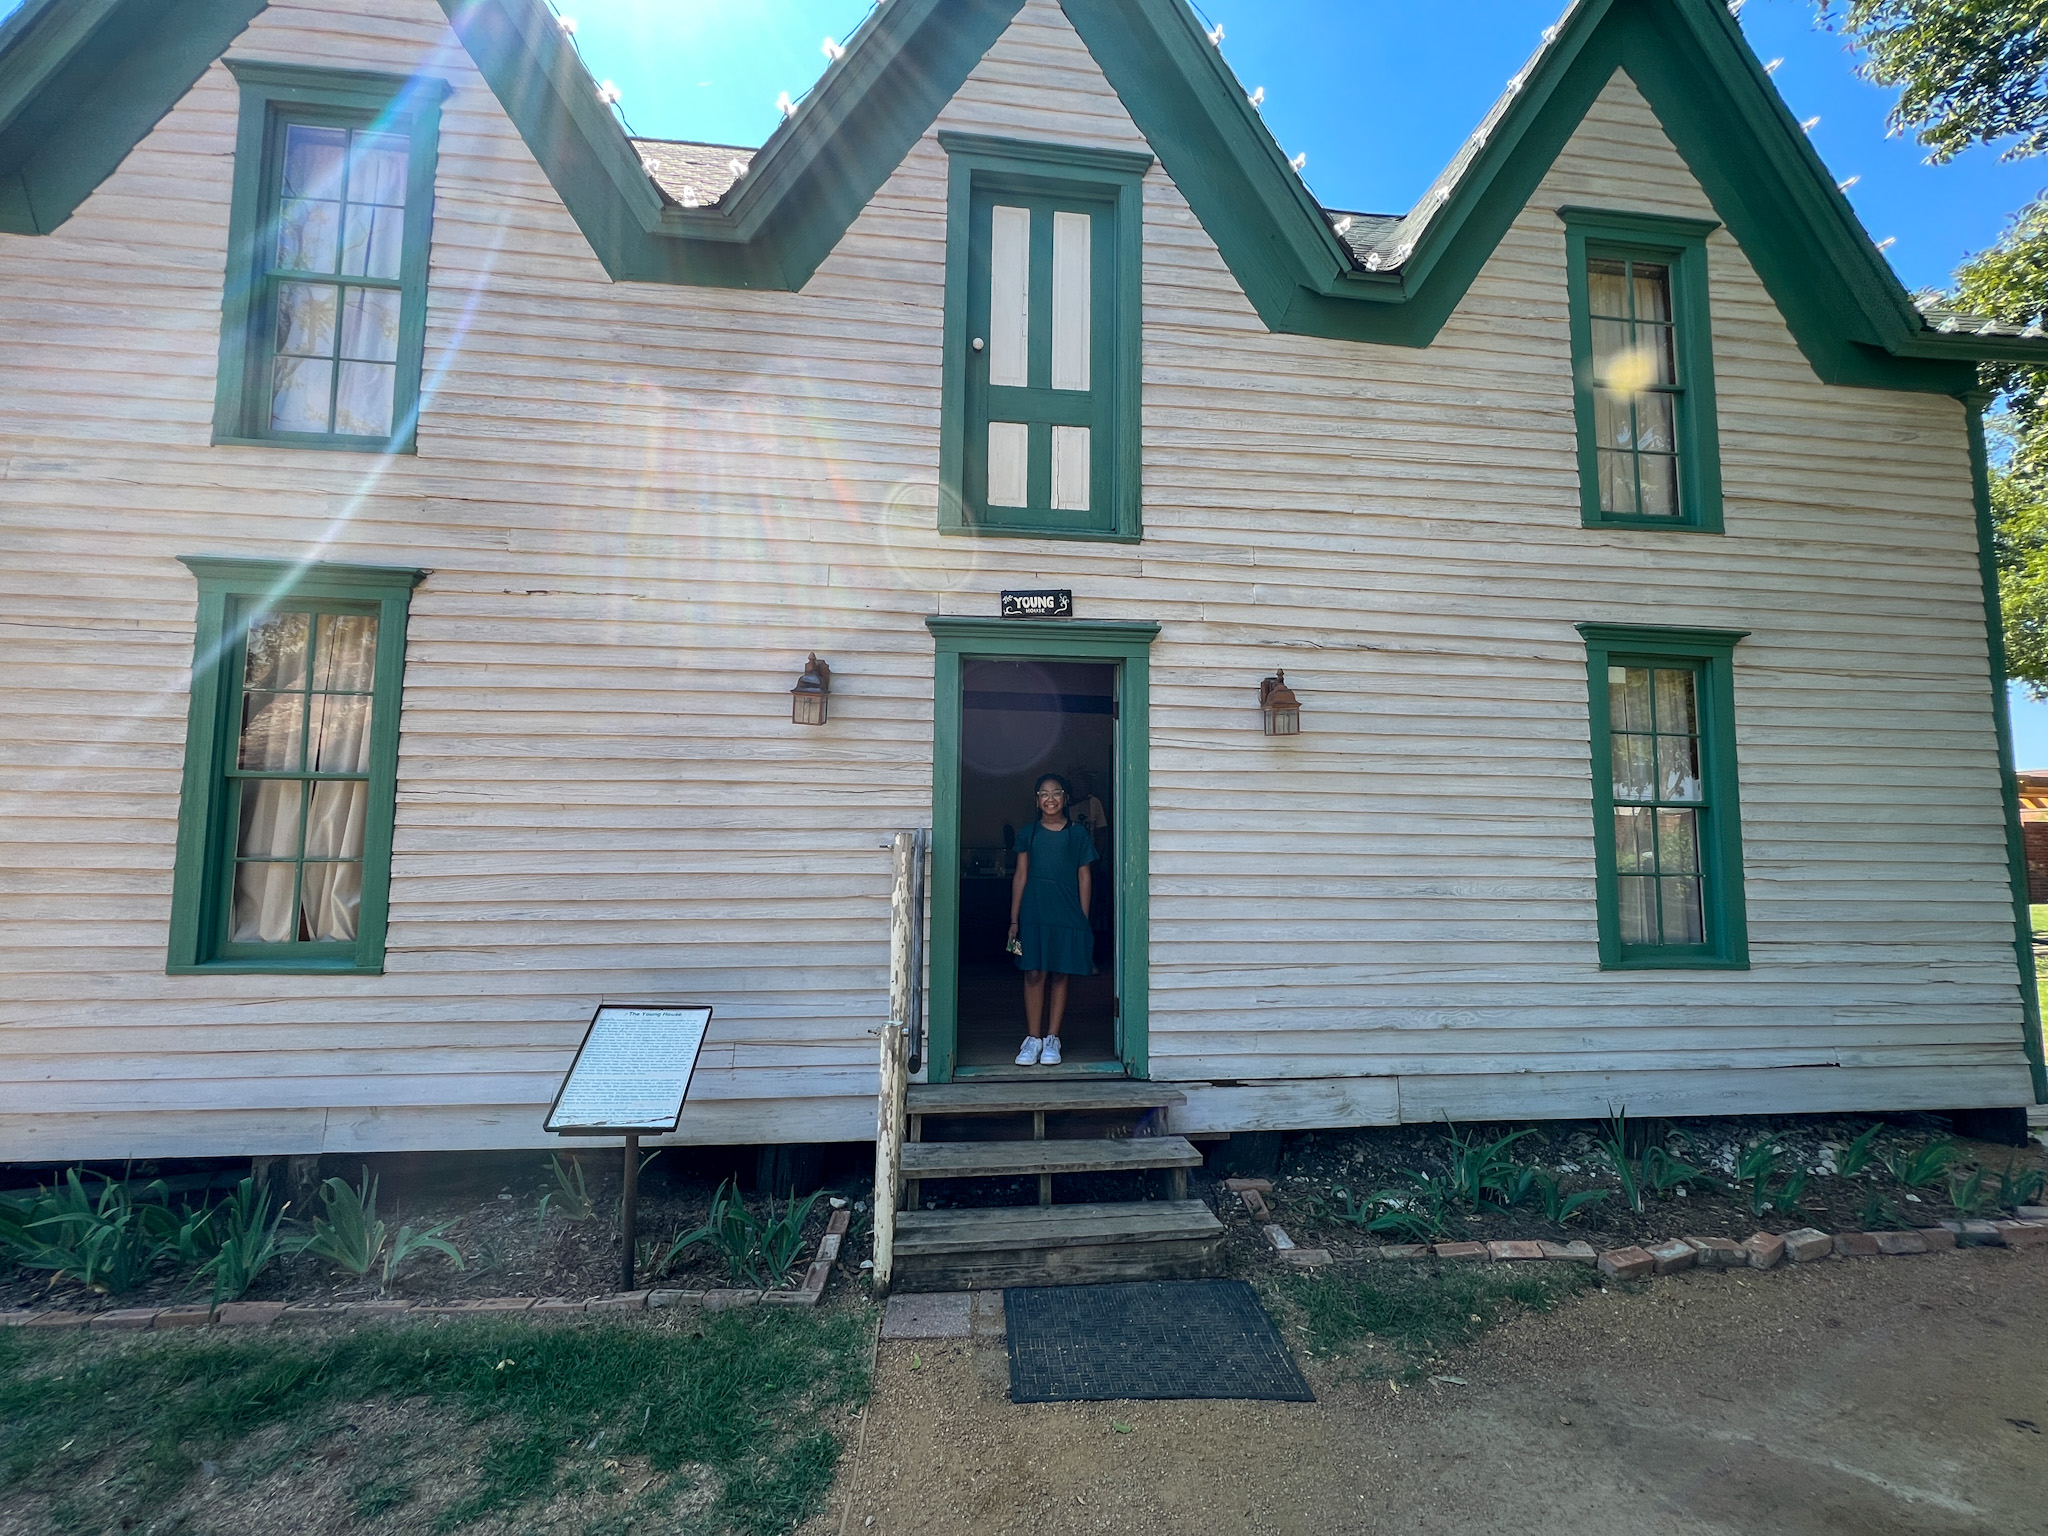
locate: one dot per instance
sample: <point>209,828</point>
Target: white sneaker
<point>1050,1054</point>
<point>1027,1054</point>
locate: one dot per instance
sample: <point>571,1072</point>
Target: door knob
<point>979,343</point>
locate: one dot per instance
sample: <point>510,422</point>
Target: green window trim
<point>232,593</point>
<point>1594,234</point>
<point>1108,183</point>
<point>1710,654</point>
<point>274,96</point>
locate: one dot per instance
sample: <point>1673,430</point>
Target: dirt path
<point>1861,1398</point>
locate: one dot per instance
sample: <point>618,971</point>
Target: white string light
<point>1372,261</point>
<point>690,197</point>
<point>1887,242</point>
<point>1810,124</point>
<point>1216,37</point>
<point>832,50</point>
<point>737,167</point>
<point>1299,160</point>
<point>785,106</point>
<point>1258,97</point>
<point>1735,7</point>
<point>567,24</point>
<point>1843,186</point>
<point>608,94</point>
<point>1772,67</point>
<point>1343,225</point>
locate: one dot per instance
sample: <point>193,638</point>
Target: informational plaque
<point>632,1071</point>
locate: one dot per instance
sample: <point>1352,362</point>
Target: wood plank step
<point>1053,1096</point>
<point>930,1234</point>
<point>1001,1159</point>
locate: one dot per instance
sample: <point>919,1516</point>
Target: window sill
<point>1015,531</point>
<point>276,968</point>
<point>1650,524</point>
<point>1676,963</point>
<point>384,445</point>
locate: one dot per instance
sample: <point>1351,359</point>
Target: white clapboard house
<point>421,502</point>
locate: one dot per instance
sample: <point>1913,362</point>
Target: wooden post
<point>895,1067</point>
<point>629,1213</point>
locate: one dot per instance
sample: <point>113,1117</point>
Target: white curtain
<point>329,896</point>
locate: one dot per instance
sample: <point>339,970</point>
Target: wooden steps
<point>1017,1159</point>
<point>1047,1244</point>
<point>1057,1245</point>
<point>1036,1094</point>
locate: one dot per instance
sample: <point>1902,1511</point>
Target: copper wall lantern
<point>808,699</point>
<point>1279,707</point>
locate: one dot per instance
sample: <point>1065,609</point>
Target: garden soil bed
<point>510,1247</point>
<point>1317,1165</point>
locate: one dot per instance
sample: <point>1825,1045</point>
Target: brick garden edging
<point>261,1314</point>
<point>1761,1250</point>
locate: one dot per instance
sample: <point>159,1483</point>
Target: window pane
<point>263,903</point>
<point>1634,767</point>
<point>1607,288</point>
<point>272,726</point>
<point>306,232</point>
<point>1009,304</point>
<point>348,652</point>
<point>1070,468</point>
<point>341,733</point>
<point>1072,274</point>
<point>333,899</point>
<point>1637,897</point>
<point>300,391</point>
<point>313,158</point>
<point>369,324</point>
<point>363,406</point>
<point>274,655</point>
<point>373,241</point>
<point>1678,769</point>
<point>1658,476</point>
<point>1611,340</point>
<point>1674,689</point>
<point>1628,698</point>
<point>1009,449</point>
<point>334,829</point>
<point>1617,481</point>
<point>269,819</point>
<point>1677,842</point>
<point>1682,919</point>
<point>377,165</point>
<point>1612,419</point>
<point>1653,292</point>
<point>1655,342</point>
<point>1633,851</point>
<point>305,320</point>
<point>1653,423</point>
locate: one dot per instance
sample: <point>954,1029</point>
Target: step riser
<point>1023,1159</point>
<point>1076,1264</point>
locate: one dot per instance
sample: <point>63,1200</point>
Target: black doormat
<point>1146,1339</point>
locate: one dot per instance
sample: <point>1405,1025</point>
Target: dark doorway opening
<point>1019,721</point>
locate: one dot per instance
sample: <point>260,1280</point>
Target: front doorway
<point>1015,701</point>
<point>1021,720</point>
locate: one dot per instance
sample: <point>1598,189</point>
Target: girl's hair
<point>1051,778</point>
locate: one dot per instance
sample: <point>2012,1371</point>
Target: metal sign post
<point>630,1077</point>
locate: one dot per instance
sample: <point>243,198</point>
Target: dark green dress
<point>1050,924</point>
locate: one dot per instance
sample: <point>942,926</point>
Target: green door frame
<point>1126,645</point>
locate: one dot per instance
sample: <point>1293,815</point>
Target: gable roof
<point>81,82</point>
<point>714,215</point>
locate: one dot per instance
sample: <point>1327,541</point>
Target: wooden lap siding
<point>643,505</point>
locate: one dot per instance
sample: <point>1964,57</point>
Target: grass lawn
<point>721,1421</point>
<point>1406,1313</point>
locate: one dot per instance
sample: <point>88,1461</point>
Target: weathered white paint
<point>643,505</point>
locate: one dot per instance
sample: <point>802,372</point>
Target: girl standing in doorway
<point>1049,932</point>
